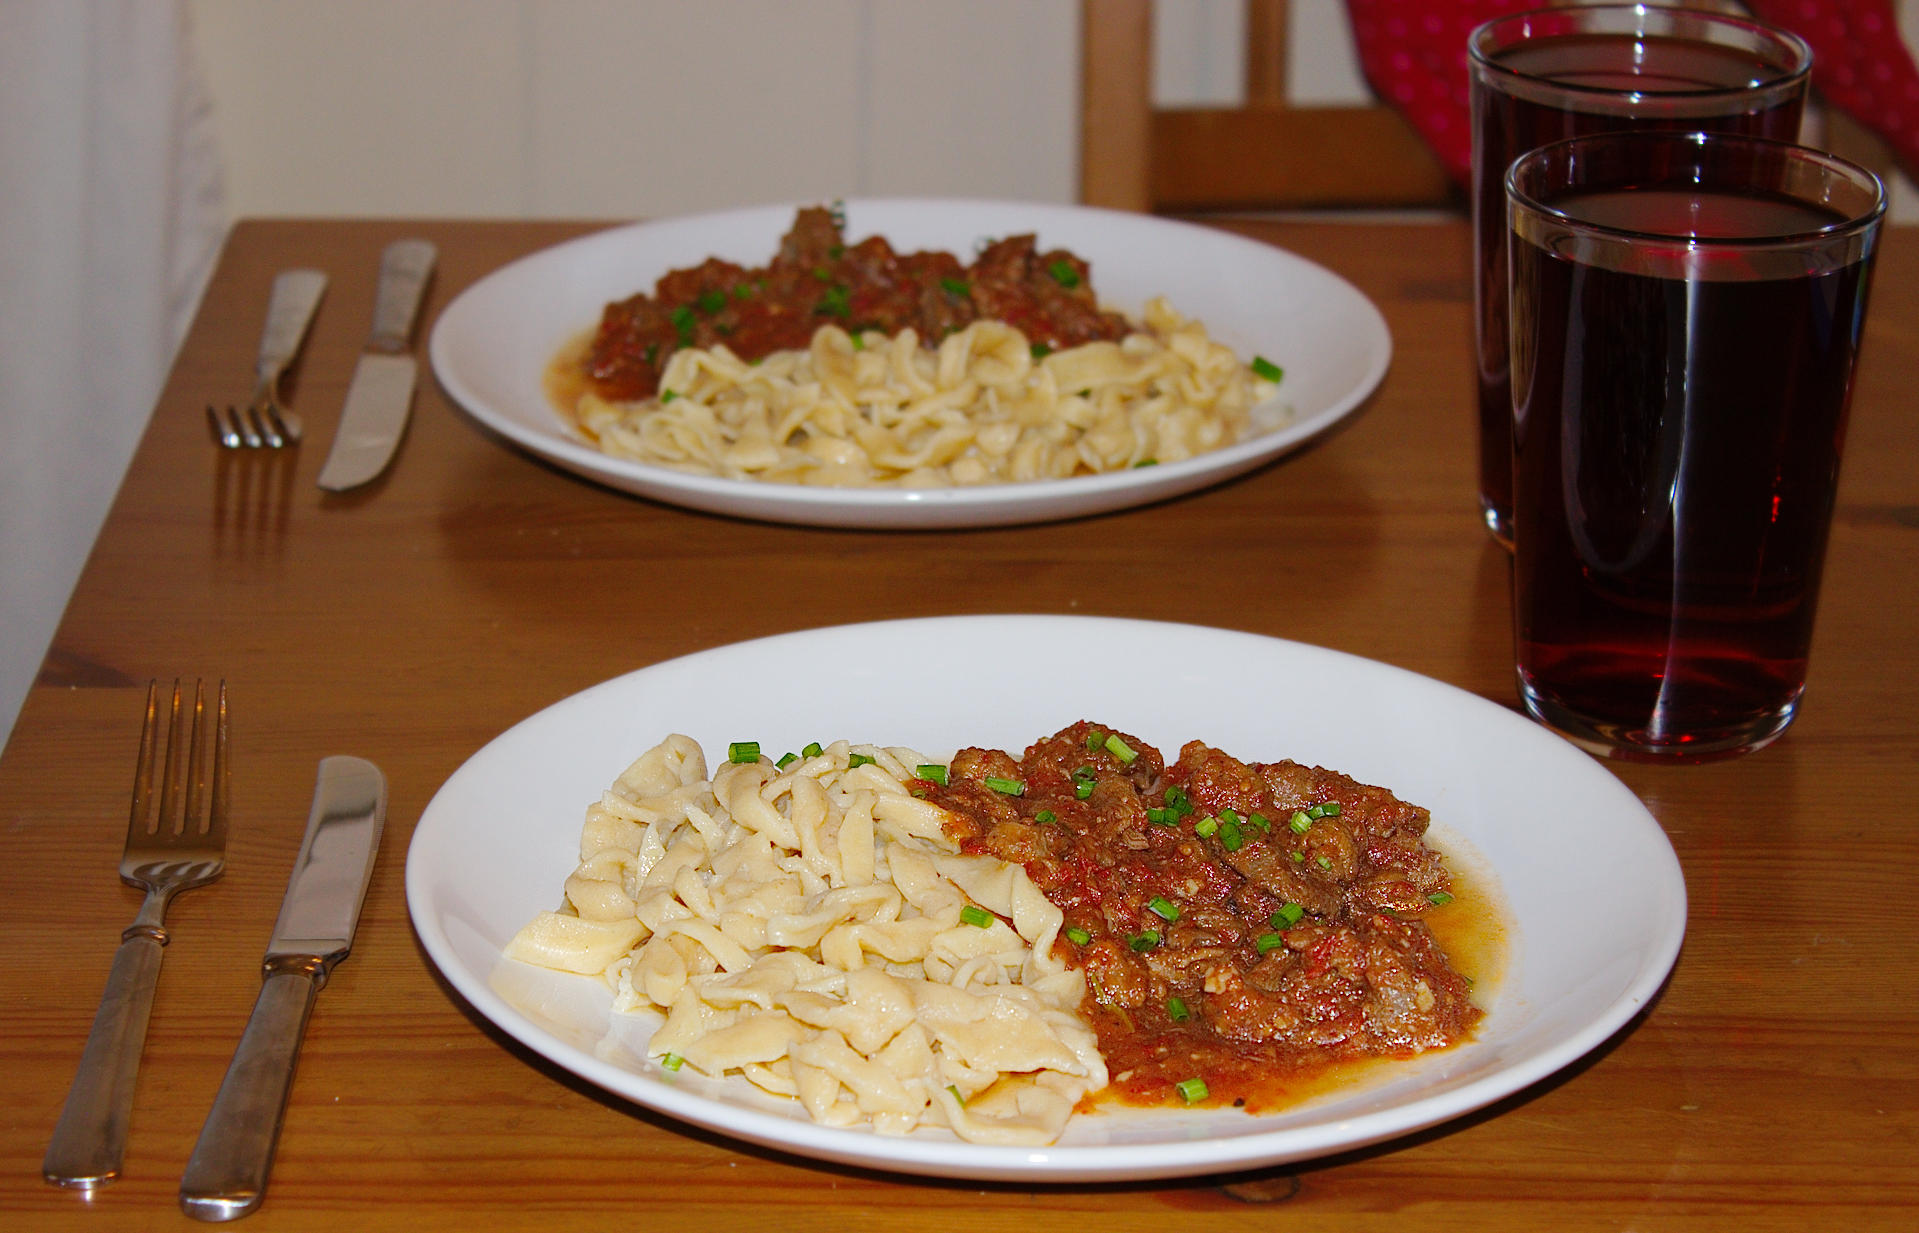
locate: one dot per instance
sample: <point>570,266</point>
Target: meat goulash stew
<point>1238,924</point>
<point>817,279</point>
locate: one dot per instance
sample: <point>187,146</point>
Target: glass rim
<point>1800,70</point>
<point>1854,223</point>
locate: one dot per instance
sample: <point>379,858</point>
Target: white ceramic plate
<point>1527,813</point>
<point>492,343</point>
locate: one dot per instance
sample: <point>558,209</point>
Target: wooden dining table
<point>1773,1082</point>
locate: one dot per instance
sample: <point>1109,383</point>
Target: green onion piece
<point>1082,789</point>
<point>1289,914</point>
<point>667,396</point>
<point>812,750</point>
<point>858,759</point>
<point>1205,826</point>
<point>1176,798</point>
<point>1259,820</point>
<point>1176,1010</point>
<point>1315,811</point>
<point>858,340</point>
<point>973,914</point>
<point>1045,817</point>
<point>786,760</point>
<point>1156,815</point>
<point>1163,908</point>
<point>1229,815</point>
<point>1300,823</point>
<point>1011,787</point>
<point>1041,351</point>
<point>1439,899</point>
<point>1299,858</point>
<point>1144,940</point>
<point>652,352</point>
<point>1330,809</point>
<point>743,292</point>
<point>1094,739</point>
<point>1119,749</point>
<point>1325,862</point>
<point>1231,835</point>
<point>712,301</point>
<point>744,752</point>
<point>1268,942</point>
<point>835,303</point>
<point>683,323</point>
<point>1192,1091</point>
<point>1146,462</point>
<point>1077,936</point>
<point>1064,274</point>
<point>954,1088</point>
<point>956,286</point>
<point>932,772</point>
<point>1266,370</point>
<point>672,1061</point>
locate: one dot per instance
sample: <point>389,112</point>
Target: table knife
<point>226,1176</point>
<point>381,396</point>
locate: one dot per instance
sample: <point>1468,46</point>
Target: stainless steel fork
<point>174,842</point>
<point>264,423</point>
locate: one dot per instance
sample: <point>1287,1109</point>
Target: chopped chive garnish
<point>712,301</point>
<point>1289,914</point>
<point>1163,908</point>
<point>743,752</point>
<point>1176,798</point>
<point>1192,1091</point>
<point>1231,835</point>
<point>1146,462</point>
<point>1268,942</point>
<point>1094,740</point>
<point>973,914</point>
<point>1325,862</point>
<point>672,1061</point>
<point>858,759</point>
<point>834,303</point>
<point>1082,788</point>
<point>1329,809</point>
<point>1229,815</point>
<point>1299,858</point>
<point>1144,940</point>
<point>812,750</point>
<point>667,396</point>
<point>787,759</point>
<point>1205,826</point>
<point>954,1089</point>
<point>956,286</point>
<point>1064,274</point>
<point>1045,817</point>
<point>932,772</point>
<point>1267,370</point>
<point>1041,351</point>
<point>743,292</point>
<point>1077,936</point>
<point>1011,787</point>
<point>1119,749</point>
<point>1300,823</point>
<point>1439,899</point>
<point>1176,1010</point>
<point>1259,820</point>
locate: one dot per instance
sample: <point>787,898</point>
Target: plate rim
<point>880,508</point>
<point>946,1157</point>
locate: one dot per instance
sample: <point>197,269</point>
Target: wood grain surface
<point>1773,1085</point>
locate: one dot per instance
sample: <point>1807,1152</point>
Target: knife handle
<point>404,268</point>
<point>90,1141</point>
<point>226,1176</point>
<point>296,294</point>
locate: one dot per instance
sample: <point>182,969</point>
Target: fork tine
<point>260,421</point>
<point>140,820</point>
<point>223,435</point>
<point>192,817</point>
<point>221,786</point>
<point>284,422</point>
<point>168,822</point>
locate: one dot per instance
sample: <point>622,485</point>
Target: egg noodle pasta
<point>871,410</point>
<point>813,930</point>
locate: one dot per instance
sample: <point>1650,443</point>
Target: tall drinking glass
<point>1563,72</point>
<point>1686,310</point>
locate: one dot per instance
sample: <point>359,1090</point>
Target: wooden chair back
<point>1265,155</point>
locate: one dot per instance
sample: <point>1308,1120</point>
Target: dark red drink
<point>1678,418</point>
<point>1543,77</point>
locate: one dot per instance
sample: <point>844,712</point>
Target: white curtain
<point>111,214</point>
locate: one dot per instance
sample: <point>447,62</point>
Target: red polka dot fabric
<point>1413,52</point>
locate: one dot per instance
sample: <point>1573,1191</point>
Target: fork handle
<point>226,1176</point>
<point>90,1140</point>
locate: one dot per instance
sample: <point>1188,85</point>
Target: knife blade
<point>226,1176</point>
<point>381,396</point>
